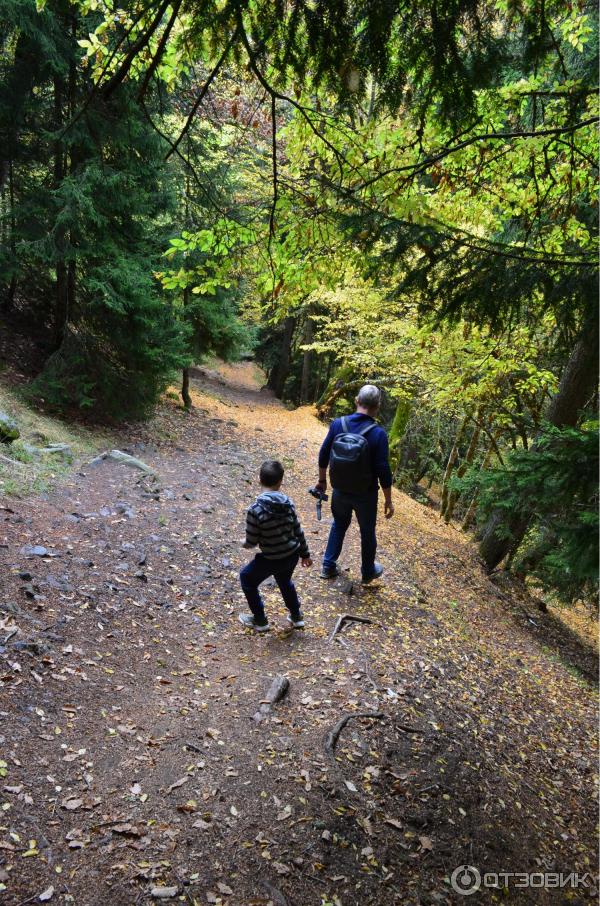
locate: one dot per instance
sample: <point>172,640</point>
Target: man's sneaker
<point>377,572</point>
<point>247,620</point>
<point>329,573</point>
<point>298,621</point>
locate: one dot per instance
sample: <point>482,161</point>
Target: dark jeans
<point>260,569</point>
<point>343,505</point>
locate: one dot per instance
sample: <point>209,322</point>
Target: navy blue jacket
<point>378,446</point>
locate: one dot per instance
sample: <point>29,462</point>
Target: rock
<point>32,451</point>
<point>37,550</point>
<point>8,429</point>
<point>125,459</point>
<point>63,451</point>
<point>32,646</point>
<point>164,893</point>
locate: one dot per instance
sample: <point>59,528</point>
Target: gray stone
<point>125,459</point>
<point>38,550</point>
<point>8,429</point>
<point>64,451</point>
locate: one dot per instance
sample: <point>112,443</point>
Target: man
<point>356,452</point>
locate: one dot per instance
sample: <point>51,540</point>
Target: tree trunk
<point>185,389</point>
<point>451,462</point>
<point>185,383</point>
<point>470,514</point>
<point>9,298</point>
<point>577,384</point>
<point>61,301</point>
<point>73,163</point>
<point>469,457</point>
<point>309,330</point>
<point>279,374</point>
<point>397,431</point>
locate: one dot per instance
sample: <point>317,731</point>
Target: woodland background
<point>400,193</point>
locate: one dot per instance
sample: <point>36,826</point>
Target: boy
<point>272,523</point>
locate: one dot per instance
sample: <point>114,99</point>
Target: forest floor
<point>133,770</point>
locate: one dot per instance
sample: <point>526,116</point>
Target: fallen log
<point>332,737</point>
<point>346,618</point>
<point>277,690</point>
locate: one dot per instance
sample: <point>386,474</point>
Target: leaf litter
<point>129,690</point>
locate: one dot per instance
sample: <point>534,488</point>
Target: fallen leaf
<point>46,894</point>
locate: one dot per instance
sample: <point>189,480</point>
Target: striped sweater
<point>272,523</point>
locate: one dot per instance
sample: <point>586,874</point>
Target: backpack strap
<point>344,424</point>
<point>367,428</point>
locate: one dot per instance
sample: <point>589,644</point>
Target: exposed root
<point>332,737</point>
<point>346,618</point>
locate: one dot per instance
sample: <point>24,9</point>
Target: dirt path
<point>131,759</point>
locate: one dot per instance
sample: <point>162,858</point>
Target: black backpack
<point>350,461</point>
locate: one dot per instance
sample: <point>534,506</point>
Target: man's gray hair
<point>369,396</point>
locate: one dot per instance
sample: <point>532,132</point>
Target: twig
<point>346,618</point>
<point>28,900</point>
<point>369,677</point>
<point>10,635</point>
<point>406,729</point>
<point>332,737</point>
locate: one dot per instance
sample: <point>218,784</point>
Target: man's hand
<point>306,561</point>
<point>389,506</point>
<point>321,485</point>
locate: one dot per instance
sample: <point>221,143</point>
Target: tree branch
<point>202,94</point>
<point>421,167</point>
<point>143,40</point>
<point>159,50</point>
<point>274,158</point>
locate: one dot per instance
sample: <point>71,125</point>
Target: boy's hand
<point>244,543</point>
<point>306,561</point>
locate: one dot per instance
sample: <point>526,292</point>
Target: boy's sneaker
<point>297,621</point>
<point>377,572</point>
<point>329,573</point>
<point>247,620</point>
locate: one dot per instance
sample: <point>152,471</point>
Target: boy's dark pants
<point>260,569</point>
